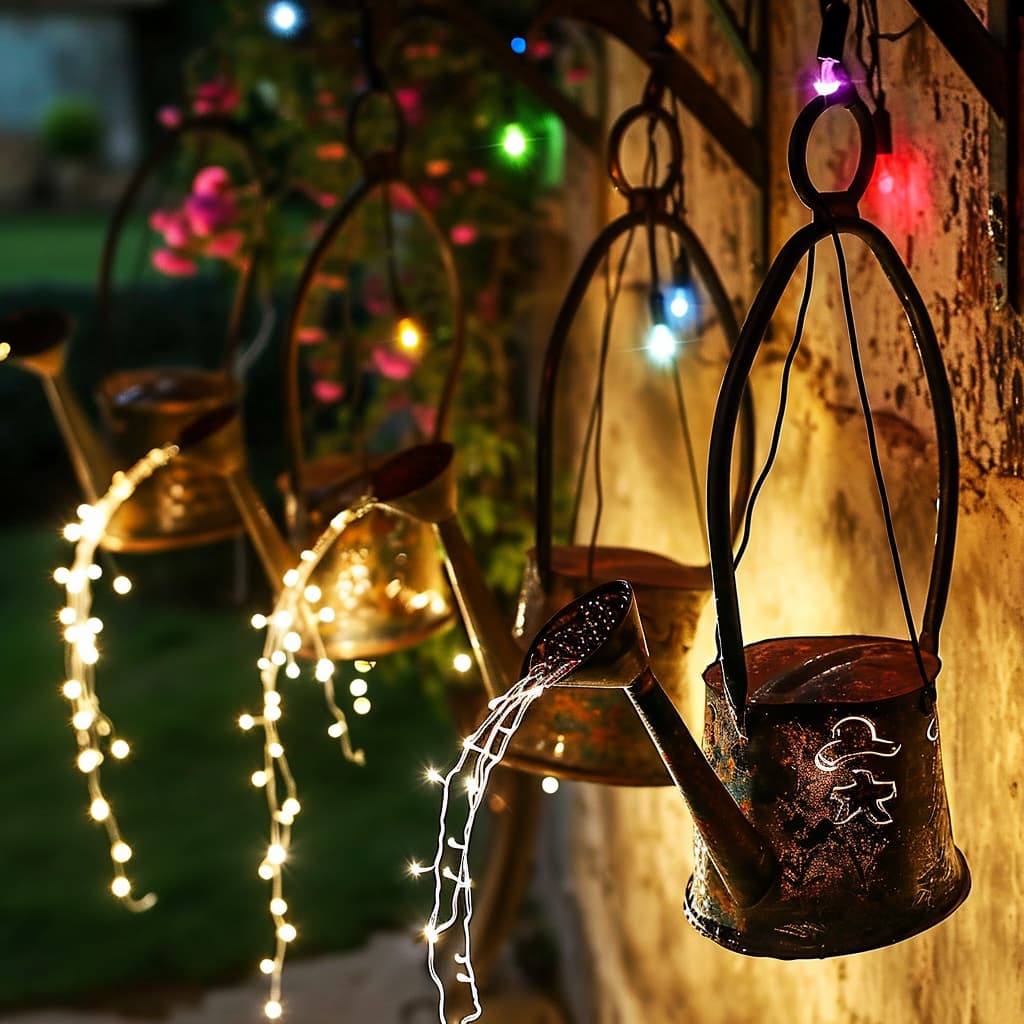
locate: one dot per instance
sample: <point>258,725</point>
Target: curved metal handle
<point>386,178</point>
<point>844,202</point>
<point>726,412</point>
<point>705,271</point>
<point>674,167</point>
<point>224,128</point>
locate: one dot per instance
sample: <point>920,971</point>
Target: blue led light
<point>518,44</point>
<point>285,18</point>
<point>679,302</point>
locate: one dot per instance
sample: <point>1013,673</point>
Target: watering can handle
<point>704,269</point>
<point>225,129</point>
<point>382,174</point>
<point>829,218</point>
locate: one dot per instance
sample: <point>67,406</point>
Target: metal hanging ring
<point>378,162</point>
<point>844,202</point>
<point>674,173</point>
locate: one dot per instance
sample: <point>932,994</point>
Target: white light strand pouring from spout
<point>481,753</point>
<point>288,624</point>
<point>93,729</point>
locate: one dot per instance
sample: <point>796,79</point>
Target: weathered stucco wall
<point>818,561</point>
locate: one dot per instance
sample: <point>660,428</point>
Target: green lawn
<point>174,676</point>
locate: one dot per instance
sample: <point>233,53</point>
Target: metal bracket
<point>993,60</point>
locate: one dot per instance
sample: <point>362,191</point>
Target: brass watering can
<point>821,814</point>
<point>381,585</point>
<point>141,408</point>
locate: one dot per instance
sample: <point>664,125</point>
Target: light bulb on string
<point>408,334</point>
<point>285,18</point>
<point>661,343</point>
<point>514,143</point>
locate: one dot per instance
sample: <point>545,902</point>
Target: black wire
<point>876,464</point>
<point>606,330</point>
<point>781,412</point>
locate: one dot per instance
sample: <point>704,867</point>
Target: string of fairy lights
<point>290,623</point>
<point>94,730</point>
<point>482,751</point>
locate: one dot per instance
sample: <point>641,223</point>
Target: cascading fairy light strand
<point>291,621</point>
<point>481,752</point>
<point>94,730</point>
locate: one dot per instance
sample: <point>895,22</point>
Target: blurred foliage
<point>72,128</point>
<point>361,392</point>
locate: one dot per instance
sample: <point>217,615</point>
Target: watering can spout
<point>212,440</point>
<point>38,343</point>
<point>420,482</point>
<point>598,641</point>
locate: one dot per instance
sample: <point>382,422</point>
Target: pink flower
<point>169,117</point>
<point>209,213</point>
<point>476,176</point>
<point>326,200</point>
<point>463,234</point>
<point>540,49</point>
<point>158,219</point>
<point>217,97</point>
<point>426,419</point>
<point>328,391</point>
<point>310,335</point>
<point>175,229</point>
<point>408,100</point>
<point>225,246</point>
<point>391,364</point>
<point>169,262</point>
<point>211,181</point>
<point>574,76</point>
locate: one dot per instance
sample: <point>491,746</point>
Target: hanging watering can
<point>822,821</point>
<point>142,408</point>
<point>595,736</point>
<point>381,585</point>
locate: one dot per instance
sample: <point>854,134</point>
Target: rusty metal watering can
<point>819,802</point>
<point>147,407</point>
<point>594,735</point>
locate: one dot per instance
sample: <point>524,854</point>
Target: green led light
<point>514,142</point>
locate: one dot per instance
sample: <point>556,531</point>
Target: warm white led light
<point>121,852</point>
<point>549,784</point>
<point>81,720</point>
<point>362,705</point>
<point>291,806</point>
<point>121,585</point>
<point>258,779</point>
<point>287,932</point>
<point>276,854</point>
<point>462,662</point>
<point>358,687</point>
<point>120,887</point>
<point>267,966</point>
<point>72,689</point>
<point>258,621</point>
<point>120,749</point>
<point>99,809</point>
<point>89,759</point>
<point>246,722</point>
<point>278,906</point>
